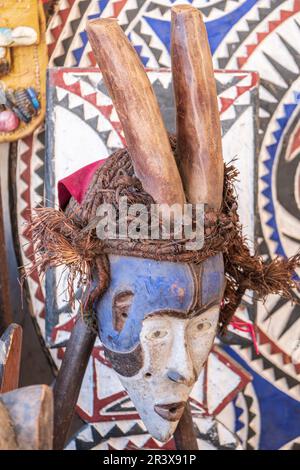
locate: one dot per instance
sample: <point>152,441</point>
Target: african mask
<point>157,322</point>
<point>158,319</point>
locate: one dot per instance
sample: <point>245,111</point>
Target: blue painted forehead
<point>155,286</point>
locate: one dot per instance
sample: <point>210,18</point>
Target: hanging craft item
<point>5,61</point>
<point>158,303</point>
<point>23,62</point>
<point>20,36</point>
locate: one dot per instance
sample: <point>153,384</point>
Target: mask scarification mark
<point>121,305</point>
<point>196,272</point>
<point>126,364</point>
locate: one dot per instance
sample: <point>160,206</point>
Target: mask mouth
<point>171,411</point>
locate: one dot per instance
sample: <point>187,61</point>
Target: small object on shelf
<point>33,98</point>
<point>17,106</point>
<point>8,121</point>
<point>5,61</point>
<point>24,103</point>
<point>5,37</point>
<point>4,67</point>
<point>23,117</point>
<point>10,95</point>
<point>22,24</point>
<point>2,95</point>
<point>20,36</point>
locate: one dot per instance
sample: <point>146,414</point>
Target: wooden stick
<point>138,110</point>
<point>184,435</point>
<point>199,144</point>
<point>30,411</point>
<point>6,314</point>
<point>69,379</point>
<point>10,358</point>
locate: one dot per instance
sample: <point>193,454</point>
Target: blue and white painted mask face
<point>157,322</point>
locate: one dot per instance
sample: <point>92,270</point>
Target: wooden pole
<point>10,352</point>
<point>6,314</point>
<point>69,379</point>
<point>184,435</point>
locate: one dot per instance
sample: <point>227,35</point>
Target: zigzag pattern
<point>274,348</point>
<point>86,89</point>
<point>279,376</point>
<point>270,27</point>
<point>267,177</point>
<point>26,148</point>
<point>244,29</point>
<point>253,418</point>
<point>65,43</point>
<point>57,24</point>
<point>124,436</point>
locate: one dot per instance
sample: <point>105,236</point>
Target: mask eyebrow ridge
<point>196,313</point>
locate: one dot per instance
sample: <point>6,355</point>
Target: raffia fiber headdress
<point>160,169</point>
<point>69,238</point>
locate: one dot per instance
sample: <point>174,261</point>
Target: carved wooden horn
<point>199,142</point>
<point>138,110</point>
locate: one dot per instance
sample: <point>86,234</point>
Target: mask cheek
<point>200,347</point>
<point>126,364</point>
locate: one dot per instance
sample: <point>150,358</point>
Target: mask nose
<point>181,368</point>
<point>175,376</point>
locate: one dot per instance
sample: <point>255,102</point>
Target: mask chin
<point>146,404</point>
<point>162,431</point>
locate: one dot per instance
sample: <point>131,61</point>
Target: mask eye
<point>203,326</point>
<point>121,305</point>
<point>156,334</point>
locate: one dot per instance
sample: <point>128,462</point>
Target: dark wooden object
<point>10,358</point>
<point>69,379</point>
<point>184,436</point>
<point>6,315</point>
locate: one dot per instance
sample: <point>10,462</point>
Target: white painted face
<point>174,351</point>
<point>157,322</point>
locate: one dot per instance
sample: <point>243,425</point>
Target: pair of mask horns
<point>198,175</point>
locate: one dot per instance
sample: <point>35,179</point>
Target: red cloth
<point>76,184</point>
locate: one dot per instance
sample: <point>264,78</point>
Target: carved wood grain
<point>10,358</point>
<point>199,144</point>
<point>138,111</point>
